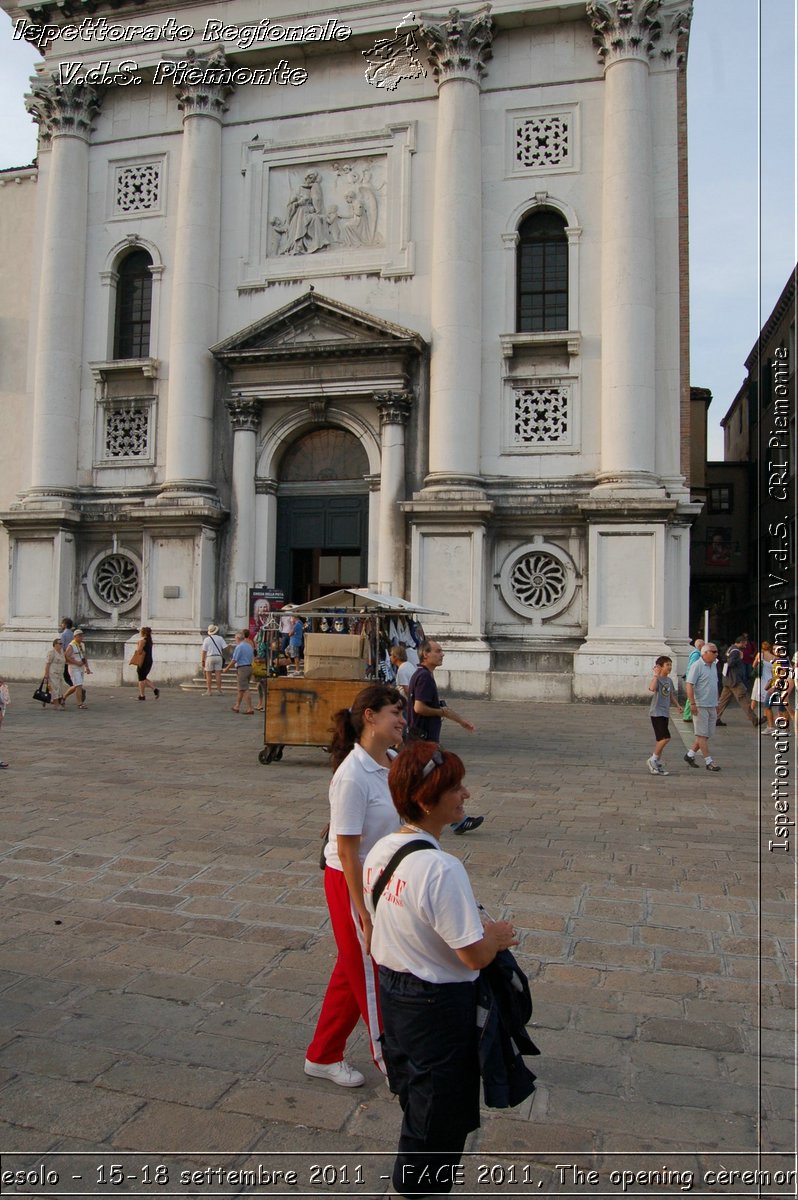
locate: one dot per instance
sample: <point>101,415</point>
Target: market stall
<point>348,637</point>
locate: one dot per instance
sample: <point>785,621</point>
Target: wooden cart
<point>299,710</point>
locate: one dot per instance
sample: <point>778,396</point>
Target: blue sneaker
<point>467,824</point>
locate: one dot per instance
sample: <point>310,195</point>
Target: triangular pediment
<point>312,325</point>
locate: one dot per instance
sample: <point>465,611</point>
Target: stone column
<point>64,113</point>
<point>625,35</point>
<point>394,409</point>
<point>245,416</point>
<point>459,48</point>
<point>195,287</point>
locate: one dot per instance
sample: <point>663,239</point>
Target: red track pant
<point>353,990</point>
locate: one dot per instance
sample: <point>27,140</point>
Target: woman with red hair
<point>430,943</point>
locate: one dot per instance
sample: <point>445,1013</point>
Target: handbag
<point>260,668</point>
<point>42,693</point>
<point>137,658</point>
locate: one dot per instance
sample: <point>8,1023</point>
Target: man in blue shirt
<point>242,660</point>
<point>426,711</point>
<point>702,692</point>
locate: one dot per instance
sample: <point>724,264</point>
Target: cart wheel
<point>265,756</point>
<point>278,754</point>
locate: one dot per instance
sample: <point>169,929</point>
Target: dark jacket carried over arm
<point>504,1005</point>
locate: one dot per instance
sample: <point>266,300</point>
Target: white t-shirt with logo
<point>426,912</point>
<point>360,804</point>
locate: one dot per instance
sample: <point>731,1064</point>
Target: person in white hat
<point>213,648</point>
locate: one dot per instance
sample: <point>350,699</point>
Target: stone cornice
<point>459,47</point>
<point>204,96</point>
<point>63,108</point>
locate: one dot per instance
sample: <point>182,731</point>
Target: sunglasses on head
<point>434,762</point>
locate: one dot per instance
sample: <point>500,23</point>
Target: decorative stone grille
<point>116,581</point>
<point>541,416</point>
<point>543,142</point>
<point>138,188</point>
<point>127,432</point>
<point>538,580</point>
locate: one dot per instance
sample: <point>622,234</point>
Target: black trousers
<point>430,1048</point>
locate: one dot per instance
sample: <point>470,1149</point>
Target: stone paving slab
<point>165,944</point>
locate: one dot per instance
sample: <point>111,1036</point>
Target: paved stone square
<point>165,944</point>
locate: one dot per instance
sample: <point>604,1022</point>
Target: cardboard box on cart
<point>334,656</point>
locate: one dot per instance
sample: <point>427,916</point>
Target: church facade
<point>397,302</point>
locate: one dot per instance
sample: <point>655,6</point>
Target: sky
<point>742,101</point>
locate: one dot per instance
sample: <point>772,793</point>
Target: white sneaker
<point>340,1073</point>
<point>652,766</point>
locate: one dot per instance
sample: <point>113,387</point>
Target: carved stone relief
<point>335,204</point>
<point>331,205</point>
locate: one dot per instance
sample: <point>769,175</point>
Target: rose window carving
<point>116,581</point>
<point>138,188</point>
<point>538,580</point>
<point>543,141</point>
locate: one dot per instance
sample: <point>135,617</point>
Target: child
<point>5,700</point>
<point>664,696</point>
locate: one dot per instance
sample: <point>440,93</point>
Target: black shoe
<point>3,766</point>
<point>467,824</point>
<point>691,762</point>
<point>157,692</point>
<point>722,724</point>
<point>713,767</point>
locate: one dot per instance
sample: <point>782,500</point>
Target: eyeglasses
<point>435,762</point>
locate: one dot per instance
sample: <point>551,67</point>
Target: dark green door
<point>322,544</point>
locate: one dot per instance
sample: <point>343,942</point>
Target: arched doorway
<point>322,515</point>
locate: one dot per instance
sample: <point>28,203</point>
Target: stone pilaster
<point>394,410</point>
<point>64,113</point>
<point>245,418</point>
<point>195,288</point>
<point>458,49</point>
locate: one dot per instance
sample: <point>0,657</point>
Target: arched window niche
<point>133,315</point>
<point>541,274</point>
<point>541,243</point>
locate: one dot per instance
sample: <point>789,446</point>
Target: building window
<point>720,498</point>
<point>542,273</point>
<point>133,306</point>
<point>323,455</point>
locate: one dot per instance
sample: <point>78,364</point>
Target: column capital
<point>244,414</point>
<point>393,407</point>
<point>63,108</point>
<point>460,46</point>
<point>637,29</point>
<point>204,92</point>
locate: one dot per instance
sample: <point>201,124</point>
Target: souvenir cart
<point>348,639</point>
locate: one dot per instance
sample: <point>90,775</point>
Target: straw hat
<point>212,629</point>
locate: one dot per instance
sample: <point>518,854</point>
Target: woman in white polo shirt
<point>361,812</point>
<point>430,943</point>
